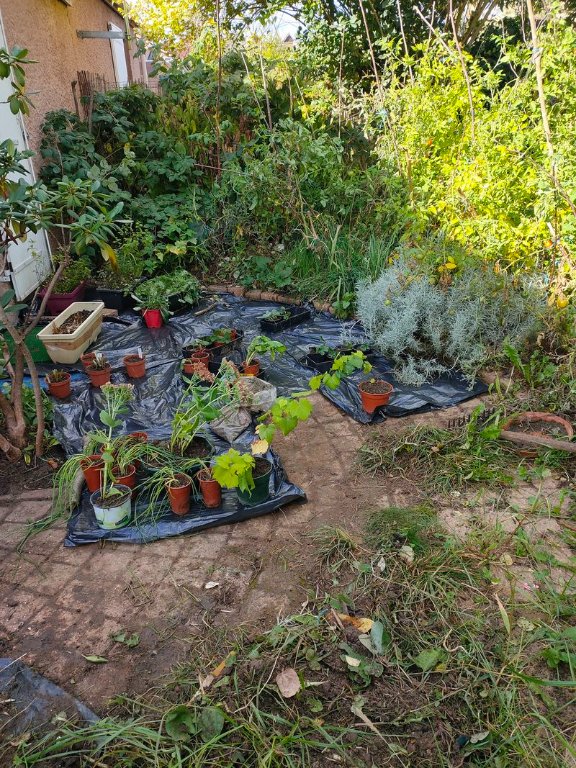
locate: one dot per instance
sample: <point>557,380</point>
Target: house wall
<point>47,28</point>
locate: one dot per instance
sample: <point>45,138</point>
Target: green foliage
<point>234,470</point>
<point>284,415</point>
<point>73,274</point>
<point>342,367</point>
<point>156,292</point>
<point>262,345</point>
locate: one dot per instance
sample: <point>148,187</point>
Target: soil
<point>72,323</point>
<point>547,428</point>
<point>180,481</point>
<point>132,359</point>
<point>261,467</point>
<point>377,387</point>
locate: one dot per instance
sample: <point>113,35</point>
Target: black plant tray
<point>112,298</point>
<point>297,315</point>
<point>323,363</point>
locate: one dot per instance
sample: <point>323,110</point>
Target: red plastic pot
<point>139,437</point>
<point>59,389</point>
<point>180,496</point>
<point>373,400</point>
<point>87,358</point>
<point>99,377</point>
<point>201,357</point>
<point>128,478</point>
<point>92,467</point>
<point>135,366</point>
<point>153,318</point>
<point>210,489</point>
<point>251,370</point>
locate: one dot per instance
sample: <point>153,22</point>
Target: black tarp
<point>157,395</point>
<point>31,700</point>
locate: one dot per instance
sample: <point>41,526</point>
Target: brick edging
<point>252,295</point>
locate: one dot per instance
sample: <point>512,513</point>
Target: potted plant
<point>112,502</point>
<point>260,345</point>
<point>284,317</point>
<point>152,301</point>
<point>135,365</point>
<point>179,489</point>
<point>87,358</point>
<point>250,475</point>
<point>210,488</point>
<point>116,280</point>
<point>70,286</point>
<point>342,367</point>
<point>92,467</point>
<point>198,370</point>
<point>173,481</point>
<point>99,370</point>
<point>375,393</point>
<point>59,383</point>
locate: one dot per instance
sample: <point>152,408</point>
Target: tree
<point>78,208</point>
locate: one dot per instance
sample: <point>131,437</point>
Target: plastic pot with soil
<point>135,366</point>
<point>125,476</point>
<point>153,318</point>
<point>179,489</point>
<point>59,384</point>
<point>210,489</point>
<point>261,491</point>
<point>375,393</point>
<point>248,474</point>
<point>113,510</point>
<point>92,468</point>
<point>99,371</point>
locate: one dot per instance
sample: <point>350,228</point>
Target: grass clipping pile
<point>403,655</point>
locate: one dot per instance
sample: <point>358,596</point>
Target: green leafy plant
<point>277,314</point>
<point>261,345</point>
<point>234,470</point>
<point>342,367</point>
<point>74,273</point>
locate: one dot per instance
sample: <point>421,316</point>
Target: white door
<point>119,57</point>
<point>29,262</point>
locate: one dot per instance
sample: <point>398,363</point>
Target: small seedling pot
<point>60,389</point>
<point>135,366</point>
<point>374,394</point>
<point>251,370</point>
<point>128,478</point>
<point>92,467</point>
<point>114,512</point>
<point>188,365</point>
<point>153,318</point>
<point>201,356</point>
<point>87,358</point>
<point>98,377</point>
<point>261,491</point>
<point>210,489</point>
<point>179,496</point>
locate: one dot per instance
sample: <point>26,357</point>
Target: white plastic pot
<point>67,347</point>
<point>118,516</point>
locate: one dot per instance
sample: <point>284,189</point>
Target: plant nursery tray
<point>297,315</point>
<point>113,298</point>
<point>323,362</point>
<point>66,348</point>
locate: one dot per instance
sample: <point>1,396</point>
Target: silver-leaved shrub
<point>427,328</point>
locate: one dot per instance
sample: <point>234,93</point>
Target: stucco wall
<point>48,29</point>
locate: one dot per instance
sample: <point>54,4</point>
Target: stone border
<point>253,295</point>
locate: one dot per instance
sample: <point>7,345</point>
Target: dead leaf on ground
<point>288,682</point>
<point>361,623</point>
<point>211,584</point>
<point>96,659</point>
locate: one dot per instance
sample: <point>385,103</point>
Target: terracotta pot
<point>59,389</point>
<point>188,367</point>
<point>210,489</point>
<point>153,318</point>
<point>251,370</point>
<point>180,497</point>
<point>135,366</point>
<point>92,467</point>
<point>140,437</point>
<point>201,357</point>
<point>126,477</point>
<point>373,400</point>
<point>87,358</point>
<point>535,416</point>
<point>99,377</point>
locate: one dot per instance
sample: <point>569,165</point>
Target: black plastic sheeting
<point>157,395</point>
<point>31,701</point>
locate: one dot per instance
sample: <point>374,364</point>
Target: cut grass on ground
<point>406,654</point>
